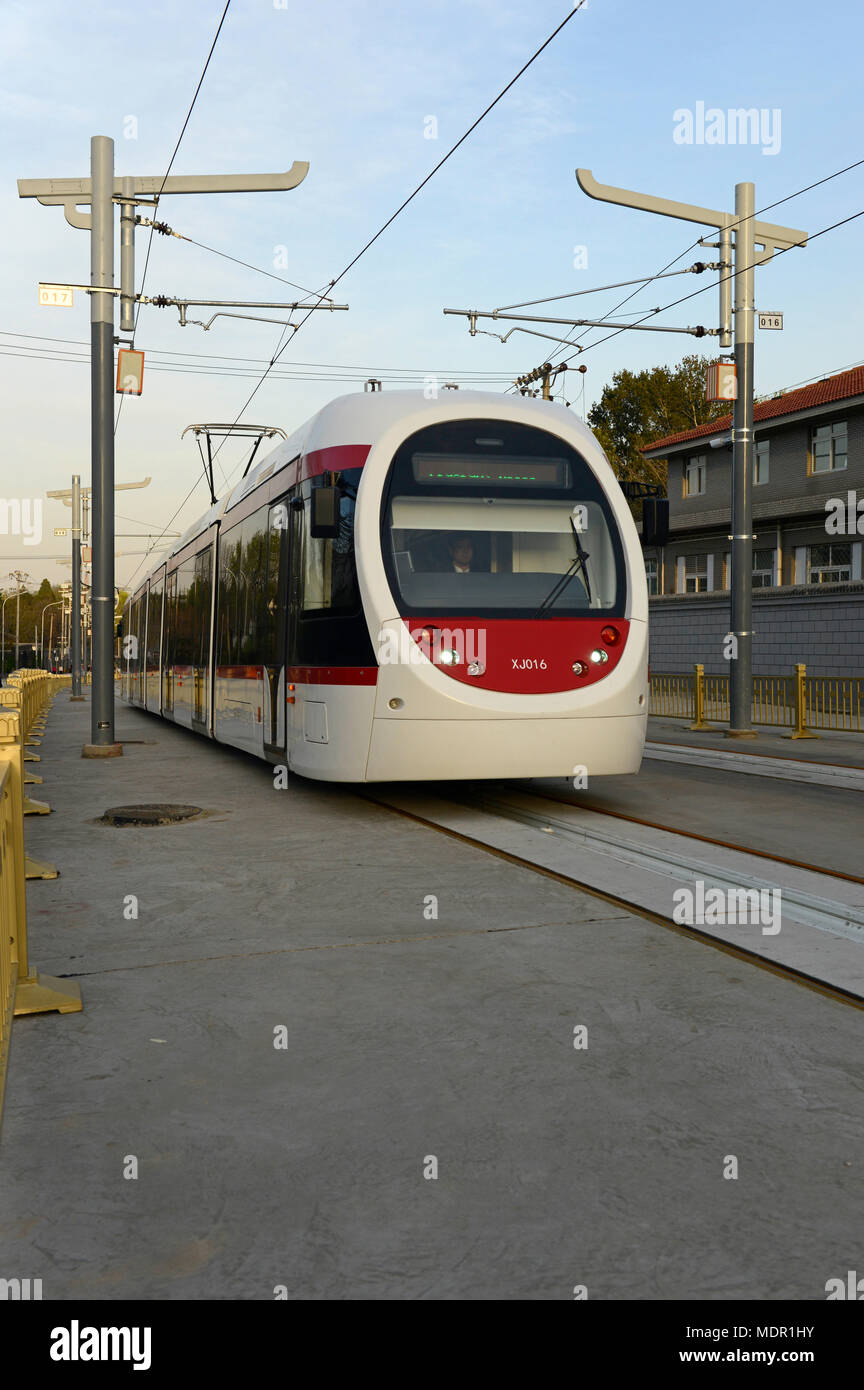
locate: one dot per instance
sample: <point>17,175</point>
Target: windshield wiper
<point>578,565</point>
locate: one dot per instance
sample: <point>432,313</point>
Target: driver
<point>461,551</point>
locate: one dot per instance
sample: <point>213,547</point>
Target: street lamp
<point>42,632</point>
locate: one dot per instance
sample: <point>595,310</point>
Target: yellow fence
<point>23,704</point>
<point>673,696</point>
<point>797,701</point>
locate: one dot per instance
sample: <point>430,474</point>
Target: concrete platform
<point>833,746</point>
<point>408,1037</point>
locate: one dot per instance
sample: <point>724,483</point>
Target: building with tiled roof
<point>809,455</point>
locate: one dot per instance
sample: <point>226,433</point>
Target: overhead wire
<point>413,195</point>
<point>77,353</point>
<point>700,241</point>
<point>164,179</point>
<point>296,327</point>
<point>703,289</point>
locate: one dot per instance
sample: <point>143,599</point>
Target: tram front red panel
<point>525,656</point>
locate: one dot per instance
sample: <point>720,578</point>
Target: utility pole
<point>19,576</point>
<point>101,191</point>
<point>770,238</point>
<point>77,497</point>
<point>75,619</point>
<point>6,599</point>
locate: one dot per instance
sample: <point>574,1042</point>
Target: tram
<point>408,589</point>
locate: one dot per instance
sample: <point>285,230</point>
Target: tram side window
<point>329,568</point>
<point>184,642</point>
<point>134,632</point>
<point>170,621</point>
<point>154,627</point>
<point>244,620</point>
<point>203,588</point>
<point>230,558</point>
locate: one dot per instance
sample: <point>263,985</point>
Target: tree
<point>639,407</point>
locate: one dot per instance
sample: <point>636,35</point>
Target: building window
<point>828,448</point>
<point>695,574</point>
<point>829,564</point>
<point>763,569</point>
<point>760,463</point>
<point>652,576</point>
<point>694,476</point>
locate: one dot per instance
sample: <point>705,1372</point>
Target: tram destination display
<point>504,471</point>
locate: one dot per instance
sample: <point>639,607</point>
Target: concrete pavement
<point>426,995</point>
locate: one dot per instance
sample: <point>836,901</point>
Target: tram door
<point>275,591</point>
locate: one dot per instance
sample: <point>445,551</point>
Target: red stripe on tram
<point>332,675</point>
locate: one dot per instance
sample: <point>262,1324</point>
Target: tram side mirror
<point>655,521</point>
<point>324,522</point>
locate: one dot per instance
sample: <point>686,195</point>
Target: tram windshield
<point>507,521</point>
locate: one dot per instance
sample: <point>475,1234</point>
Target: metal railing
<point>797,701</point>
<point>672,696</point>
<point>835,702</point>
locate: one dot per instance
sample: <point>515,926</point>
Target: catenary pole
<point>100,191</point>
<point>102,443</point>
<point>769,237</point>
<point>741,664</point>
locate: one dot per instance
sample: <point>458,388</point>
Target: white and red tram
<point>409,589</point>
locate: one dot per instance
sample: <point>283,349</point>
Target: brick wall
<point>820,624</point>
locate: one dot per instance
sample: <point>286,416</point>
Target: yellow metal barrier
<point>800,719</point>
<point>22,989</point>
<point>698,698</point>
<point>20,695</point>
<point>716,698</point>
<point>672,696</point>
<point>773,701</point>
<point>834,702</point>
<point>36,689</point>
<point>798,702</point>
<point>8,906</point>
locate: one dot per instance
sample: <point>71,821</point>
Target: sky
<point>372,95</point>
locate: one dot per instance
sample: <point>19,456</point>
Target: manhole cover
<point>155,813</point>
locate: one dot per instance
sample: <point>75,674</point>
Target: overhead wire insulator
<point>161,227</point>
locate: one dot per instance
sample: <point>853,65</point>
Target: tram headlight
<point>598,655</point>
<point>449,656</point>
<point>579,668</point>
